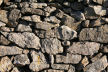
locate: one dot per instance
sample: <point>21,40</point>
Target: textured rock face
<point>53,35</point>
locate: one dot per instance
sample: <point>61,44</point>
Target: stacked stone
<point>53,36</point>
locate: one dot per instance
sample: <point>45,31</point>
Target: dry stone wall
<point>53,35</point>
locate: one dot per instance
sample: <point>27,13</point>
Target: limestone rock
<point>69,58</point>
<point>25,40</point>
<point>2,24</point>
<point>38,5</point>
<point>52,70</point>
<point>21,60</point>
<point>51,46</point>
<point>3,16</point>
<point>97,66</point>
<point>105,49</point>
<point>71,69</point>
<point>10,50</point>
<point>3,40</point>
<point>84,48</point>
<point>15,69</point>
<point>5,64</point>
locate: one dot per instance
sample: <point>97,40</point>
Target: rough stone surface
<point>10,50</point>
<point>84,48</point>
<point>2,24</point>
<point>3,16</point>
<point>3,40</point>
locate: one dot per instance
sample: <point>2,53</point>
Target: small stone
<point>3,40</point>
<point>52,19</point>
<point>25,51</point>
<point>21,60</point>
<point>5,64</point>
<point>66,33</point>
<point>32,1</point>
<point>84,48</point>
<point>52,70</point>
<point>1,1</point>
<point>99,1</point>
<point>105,49</point>
<point>66,43</point>
<point>51,46</point>
<point>60,66</point>
<point>15,69</point>
<point>86,23</point>
<point>23,28</point>
<point>68,4</point>
<point>13,17</point>
<point>38,5</point>
<point>85,61</point>
<point>97,66</point>
<point>10,50</point>
<point>51,57</point>
<point>33,18</point>
<point>3,16</point>
<point>69,58</point>
<point>39,61</point>
<point>2,24</point>
<point>6,29</point>
<point>24,5</point>
<point>59,13</point>
<point>25,40</point>
<point>71,69</point>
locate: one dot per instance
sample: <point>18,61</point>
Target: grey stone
<point>5,64</point>
<point>97,66</point>
<point>51,46</point>
<point>6,29</point>
<point>32,0</point>
<point>38,5</point>
<point>21,60</point>
<point>3,40</point>
<point>71,69</point>
<point>10,50</point>
<point>2,24</point>
<point>53,70</point>
<point>33,18</point>
<point>52,19</point>
<point>60,66</point>
<point>33,11</point>
<point>66,43</point>
<point>84,48</point>
<point>95,34</point>
<point>66,33</point>
<point>59,13</point>
<point>77,6</point>
<point>39,62</point>
<point>3,16</point>
<point>13,17</point>
<point>51,57</point>
<point>23,28</point>
<point>25,40</point>
<point>68,4</point>
<point>86,23</point>
<point>69,58</point>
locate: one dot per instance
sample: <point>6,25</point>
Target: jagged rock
<point>86,23</point>
<point>24,5</point>
<point>5,64</point>
<point>97,66</point>
<point>6,29</point>
<point>60,66</point>
<point>39,62</point>
<point>2,24</point>
<point>38,5</point>
<point>97,57</point>
<point>33,18</point>
<point>13,17</point>
<point>32,11</point>
<point>25,51</point>
<point>23,28</point>
<point>25,40</point>
<point>52,70</point>
<point>3,40</point>
<point>95,34</point>
<point>52,19</point>
<point>21,60</point>
<point>10,50</point>
<point>84,48</point>
<point>51,57</point>
<point>3,16</point>
<point>93,12</point>
<point>105,49</point>
<point>59,13</point>
<point>69,58</point>
<point>85,61</point>
<point>15,69</point>
<point>51,46</point>
<point>71,69</point>
<point>66,33</point>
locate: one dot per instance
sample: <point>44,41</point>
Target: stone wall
<point>53,36</point>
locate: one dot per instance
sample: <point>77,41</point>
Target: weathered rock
<point>2,24</point>
<point>24,5</point>
<point>1,1</point>
<point>32,0</point>
<point>51,59</point>
<point>86,23</point>
<point>15,69</point>
<point>95,34</point>
<point>33,18</point>
<point>68,4</point>
<point>85,61</point>
<point>3,16</point>
<point>52,19</point>
<point>5,64</point>
<point>51,46</point>
<point>105,49</point>
<point>71,69</point>
<point>13,17</point>
<point>66,43</point>
<point>60,66</point>
<point>69,58</point>
<point>21,60</point>
<point>66,33</point>
<point>6,29</point>
<point>23,28</point>
<point>39,61</point>
<point>3,40</point>
<point>102,2</point>
<point>10,50</point>
<point>25,40</point>
<point>32,11</point>
<point>59,13</point>
<point>84,48</point>
<point>52,70</point>
<point>97,66</point>
<point>38,5</point>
